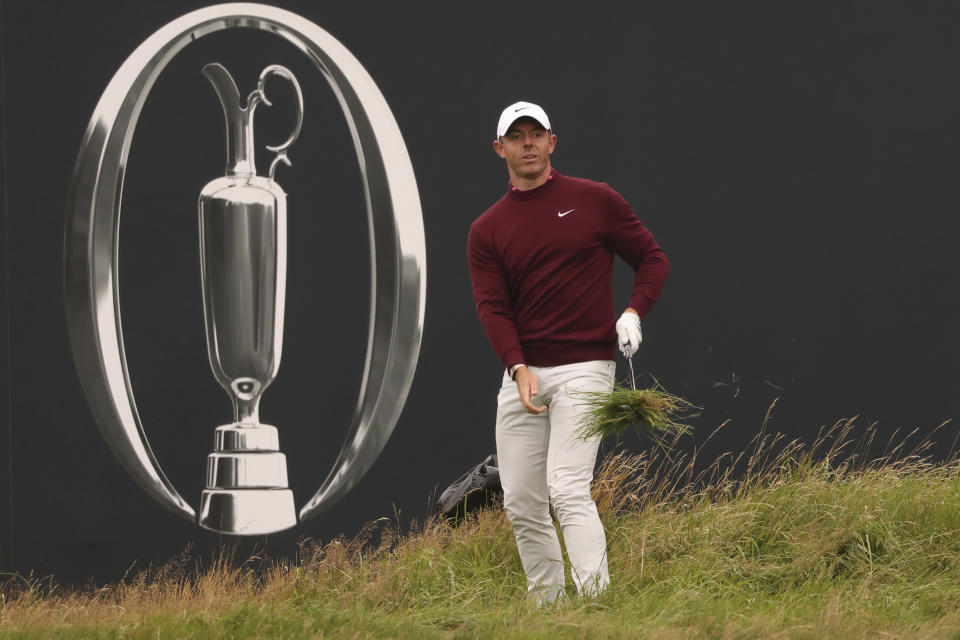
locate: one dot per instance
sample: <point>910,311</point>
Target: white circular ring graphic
<point>398,247</point>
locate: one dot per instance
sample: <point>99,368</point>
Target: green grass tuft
<point>653,413</point>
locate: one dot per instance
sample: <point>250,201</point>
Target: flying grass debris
<point>653,413</point>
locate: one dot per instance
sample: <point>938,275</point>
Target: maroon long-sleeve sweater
<point>541,262</point>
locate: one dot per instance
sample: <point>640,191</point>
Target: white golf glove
<point>628,333</point>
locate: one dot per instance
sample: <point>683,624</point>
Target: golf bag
<point>475,489</point>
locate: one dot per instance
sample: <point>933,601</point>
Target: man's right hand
<point>528,386</point>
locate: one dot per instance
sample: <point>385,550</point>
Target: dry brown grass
<point>781,540</point>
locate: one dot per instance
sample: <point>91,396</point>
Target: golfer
<point>541,261</point>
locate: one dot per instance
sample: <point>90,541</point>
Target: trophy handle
<point>259,95</point>
<point>398,248</point>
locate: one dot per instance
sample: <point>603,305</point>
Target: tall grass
<point>782,540</point>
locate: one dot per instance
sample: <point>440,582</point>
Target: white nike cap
<point>521,110</point>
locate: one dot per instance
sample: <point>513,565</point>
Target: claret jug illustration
<point>243,265</point>
<point>243,256</point>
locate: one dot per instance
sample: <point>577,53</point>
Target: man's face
<point>526,146</point>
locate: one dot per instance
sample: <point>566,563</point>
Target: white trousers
<point>542,460</point>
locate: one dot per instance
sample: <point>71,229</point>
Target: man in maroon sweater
<point>541,261</point>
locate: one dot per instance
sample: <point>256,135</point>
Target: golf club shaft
<point>633,382</point>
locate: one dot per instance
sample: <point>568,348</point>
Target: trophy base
<point>247,512</point>
<point>246,492</point>
<point>246,437</point>
<point>247,470</point>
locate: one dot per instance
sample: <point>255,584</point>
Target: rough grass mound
<point>782,540</point>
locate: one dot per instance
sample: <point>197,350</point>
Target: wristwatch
<point>513,370</point>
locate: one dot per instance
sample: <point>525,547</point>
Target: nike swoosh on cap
<point>520,109</point>
<point>560,215</point>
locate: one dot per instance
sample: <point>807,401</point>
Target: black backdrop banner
<point>796,162</point>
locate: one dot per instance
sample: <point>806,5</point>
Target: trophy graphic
<point>243,265</point>
<point>243,269</point>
